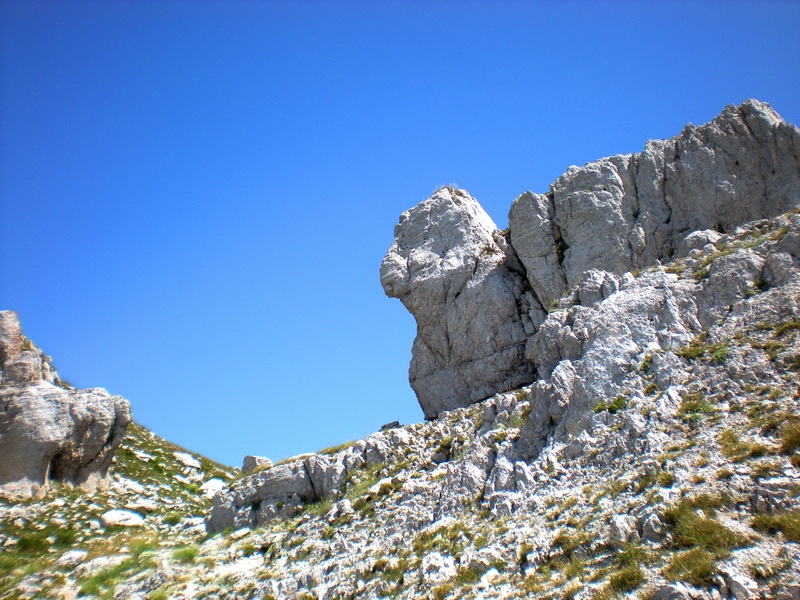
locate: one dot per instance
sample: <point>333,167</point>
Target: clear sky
<point>195,197</point>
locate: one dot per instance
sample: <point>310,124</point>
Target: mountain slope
<point>59,546</point>
<point>687,484</point>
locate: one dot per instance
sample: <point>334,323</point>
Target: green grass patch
<point>626,579</point>
<point>738,449</point>
<point>692,530</point>
<point>185,554</point>
<point>569,540</point>
<point>451,540</point>
<point>693,406</point>
<point>319,508</point>
<point>612,406</point>
<point>696,566</point>
<point>103,582</point>
<point>790,436</point>
<point>330,450</point>
<point>467,576</point>
<point>784,327</point>
<point>786,522</point>
<point>695,349</point>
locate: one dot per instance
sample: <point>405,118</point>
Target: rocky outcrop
<point>49,431</point>
<point>629,211</point>
<point>456,273</point>
<point>598,222</point>
<point>658,396</point>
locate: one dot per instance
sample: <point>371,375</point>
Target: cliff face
<point>478,296</point>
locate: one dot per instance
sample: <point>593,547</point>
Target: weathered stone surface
<point>252,463</point>
<point>460,279</point>
<point>626,212</point>
<point>476,297</point>
<point>622,530</point>
<point>49,432</point>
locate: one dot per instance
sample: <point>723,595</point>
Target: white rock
<point>436,568</point>
<point>742,587</point>
<point>462,282</point>
<point>120,517</point>
<point>187,460</point>
<point>490,576</point>
<point>49,432</point>
<point>72,558</point>
<point>621,530</point>
<point>252,463</point>
<point>212,486</point>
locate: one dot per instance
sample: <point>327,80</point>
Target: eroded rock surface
<point>49,431</point>
<point>478,295</point>
<point>629,211</point>
<point>464,285</point>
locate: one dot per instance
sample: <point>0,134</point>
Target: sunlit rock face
<point>629,211</point>
<point>480,296</point>
<point>456,273</point>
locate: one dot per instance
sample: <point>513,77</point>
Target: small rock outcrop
<point>49,431</point>
<point>479,295</point>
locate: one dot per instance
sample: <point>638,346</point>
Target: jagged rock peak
<point>478,294</point>
<point>49,431</point>
<point>629,211</point>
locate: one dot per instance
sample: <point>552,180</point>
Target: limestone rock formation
<point>466,288</point>
<point>477,296</point>
<point>49,431</point>
<point>627,212</point>
<point>658,395</point>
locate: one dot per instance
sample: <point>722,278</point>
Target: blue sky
<point>195,197</point>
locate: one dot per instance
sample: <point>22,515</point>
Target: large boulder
<point>456,273</point>
<point>48,431</point>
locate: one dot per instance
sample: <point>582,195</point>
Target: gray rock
<point>741,586</point>
<point>436,568</point>
<point>778,269</point>
<point>477,298</point>
<point>622,530</point>
<point>279,491</point>
<point>252,463</point>
<point>697,240</point>
<point>461,280</point>
<point>653,529</point>
<point>595,286</point>
<point>327,475</point>
<point>72,558</point>
<point>48,432</point>
<point>626,212</point>
<point>671,591</point>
